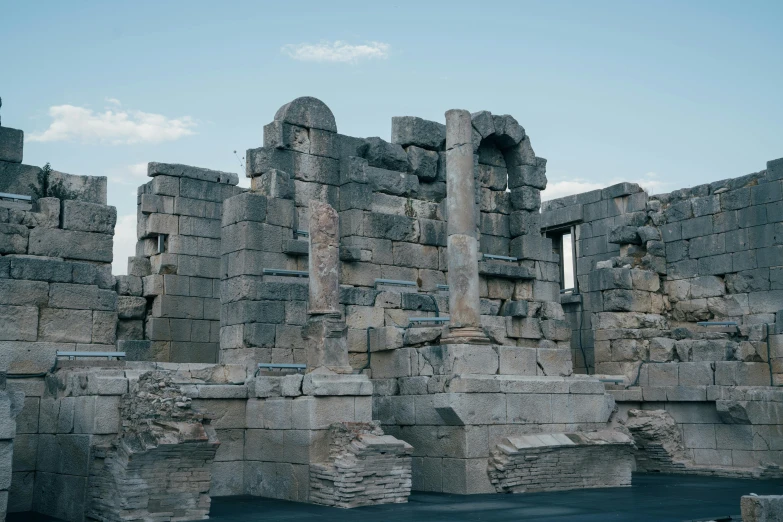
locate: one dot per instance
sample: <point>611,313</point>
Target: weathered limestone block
<point>410,130</point>
<point>89,189</point>
<point>625,235</point>
<point>766,508</point>
<point>385,155</point>
<point>453,359</point>
<point>13,238</point>
<point>11,145</point>
<point>46,213</point>
<point>71,244</point>
<point>27,180</point>
<point>186,171</point>
<point>307,112</point>
<point>423,163</point>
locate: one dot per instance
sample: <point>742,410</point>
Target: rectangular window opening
<point>564,249</point>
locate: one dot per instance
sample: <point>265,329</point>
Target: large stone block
<point>71,244</point>
<point>392,182</point>
<point>13,239</point>
<point>65,326</point>
<point>89,189</point>
<point>81,297</point>
<point>89,217</point>
<point>410,130</point>
<point>380,153</point>
<point>11,145</point>
<point>460,359</point>
<point>423,163</point>
<point>185,171</point>
<point>22,179</point>
<point>18,323</point>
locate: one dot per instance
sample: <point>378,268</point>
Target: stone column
<point>464,301</point>
<point>325,331</point>
<point>324,259</point>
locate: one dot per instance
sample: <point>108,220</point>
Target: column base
<point>465,335</point>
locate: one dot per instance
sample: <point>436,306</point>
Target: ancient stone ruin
<point>373,317</point>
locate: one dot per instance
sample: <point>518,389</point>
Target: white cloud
<point>135,174</point>
<point>113,101</point>
<point>124,243</point>
<point>71,123</point>
<point>559,189</point>
<point>337,51</point>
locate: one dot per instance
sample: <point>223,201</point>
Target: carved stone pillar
<point>464,300</point>
<point>325,331</point>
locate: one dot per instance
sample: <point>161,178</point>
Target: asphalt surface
<point>658,498</point>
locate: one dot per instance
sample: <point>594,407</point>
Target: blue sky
<point>668,94</point>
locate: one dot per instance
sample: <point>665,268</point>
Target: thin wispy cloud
<point>116,127</point>
<point>559,189</point>
<point>133,175</point>
<point>337,52</point>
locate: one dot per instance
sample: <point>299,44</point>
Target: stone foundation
<point>561,461</point>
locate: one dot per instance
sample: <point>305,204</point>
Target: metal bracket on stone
<point>500,258</point>
<point>394,282</point>
<point>73,355</point>
<point>281,366</point>
<point>719,326</point>
<point>15,197</point>
<point>285,273</point>
<point>425,321</point>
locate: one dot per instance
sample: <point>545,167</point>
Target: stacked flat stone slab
<point>561,461</point>
<point>365,467</point>
<point>56,287</point>
<point>10,406</point>
<point>177,266</point>
<point>159,467</point>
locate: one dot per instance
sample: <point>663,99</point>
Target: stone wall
<point>103,439</point>
<point>593,215</point>
<point>171,295</point>
<point>56,287</point>
<point>10,406</point>
<point>391,198</point>
<point>659,265</point>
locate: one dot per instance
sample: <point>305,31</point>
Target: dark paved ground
<point>652,498</point>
